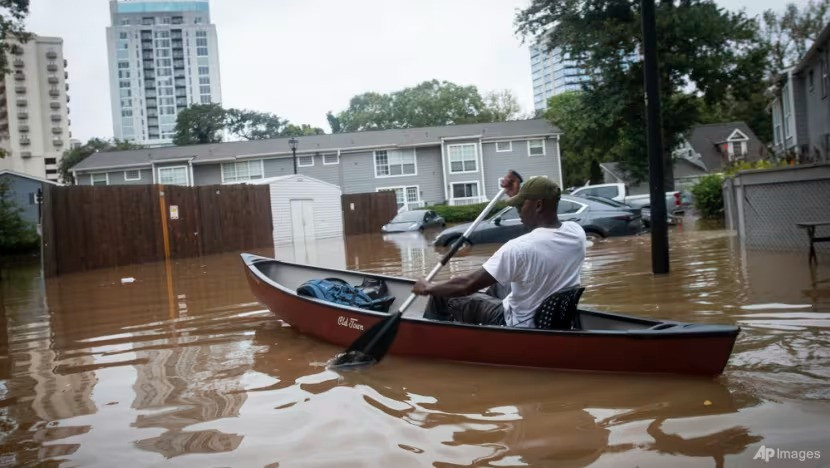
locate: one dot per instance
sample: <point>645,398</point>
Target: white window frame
<point>465,182</point>
<point>236,178</point>
<point>509,147</point>
<point>384,176</point>
<point>106,178</point>
<point>406,202</point>
<point>475,158</point>
<point>336,155</point>
<point>167,168</point>
<point>300,160</point>
<point>132,178</point>
<point>544,150</point>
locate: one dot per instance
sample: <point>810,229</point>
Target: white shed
<point>303,209</point>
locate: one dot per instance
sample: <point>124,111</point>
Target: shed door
<point>302,221</point>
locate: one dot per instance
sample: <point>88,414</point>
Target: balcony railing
<point>24,129</point>
<point>55,105</point>
<point>466,201</point>
<point>56,117</point>
<point>25,142</point>
<point>19,76</point>
<point>20,90</point>
<point>57,142</point>
<point>51,55</point>
<point>25,154</point>
<point>54,93</point>
<point>22,115</point>
<point>19,63</point>
<point>52,67</point>
<point>57,130</point>
<point>53,80</point>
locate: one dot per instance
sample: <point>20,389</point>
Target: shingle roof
<point>216,152</point>
<point>705,138</point>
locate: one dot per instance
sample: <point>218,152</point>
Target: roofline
<point>283,154</point>
<point>27,176</point>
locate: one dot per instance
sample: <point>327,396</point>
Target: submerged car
<point>416,220</point>
<point>597,218</point>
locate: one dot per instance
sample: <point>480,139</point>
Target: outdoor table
<point>811,226</point>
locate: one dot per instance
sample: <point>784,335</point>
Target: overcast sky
<point>301,58</point>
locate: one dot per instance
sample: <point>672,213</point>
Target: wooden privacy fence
<point>365,213</point>
<point>87,227</point>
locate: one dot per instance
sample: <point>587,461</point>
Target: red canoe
<point>607,342</point>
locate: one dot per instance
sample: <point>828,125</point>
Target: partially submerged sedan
<point>416,220</point>
<point>598,219</point>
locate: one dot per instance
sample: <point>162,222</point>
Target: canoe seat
<point>559,312</point>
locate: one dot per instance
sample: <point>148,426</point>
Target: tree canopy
<point>205,123</point>
<point>430,103</point>
<point>73,156</point>
<point>706,55</point>
<point>791,32</point>
<point>12,29</point>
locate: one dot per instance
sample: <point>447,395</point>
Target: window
<point>204,99</point>
<point>395,163</point>
<point>462,158</point>
<point>405,196</point>
<point>123,64</point>
<point>163,34</point>
<point>465,190</point>
<point>176,175</point>
<point>201,33</point>
<point>127,113</point>
<point>241,171</point>
<point>201,42</point>
<point>567,207</point>
<point>148,21</point>
<point>536,147</point>
<point>123,73</point>
<point>125,21</point>
<point>204,89</point>
<point>122,35</point>
<point>204,80</point>
<point>198,20</point>
<point>789,128</point>
<point>100,179</point>
<point>203,70</point>
<point>132,175</point>
<point>201,51</point>
<point>502,146</point>
<point>810,80</point>
<point>331,158</point>
<point>305,161</point>
<point>776,123</point>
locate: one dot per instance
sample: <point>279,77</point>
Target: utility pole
<point>659,224</point>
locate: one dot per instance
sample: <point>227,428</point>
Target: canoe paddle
<point>373,344</point>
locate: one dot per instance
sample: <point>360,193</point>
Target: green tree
<point>704,52</point>
<point>252,125</point>
<point>430,103</point>
<point>73,156</point>
<point>501,106</point>
<point>292,130</point>
<point>578,144</point>
<point>12,29</point>
<point>790,33</point>
<point>200,123</point>
<point>16,234</point>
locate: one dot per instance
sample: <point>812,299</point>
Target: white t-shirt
<point>536,265</point>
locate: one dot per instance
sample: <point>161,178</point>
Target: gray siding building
<point>457,164</point>
<point>23,192</point>
<point>801,107</point>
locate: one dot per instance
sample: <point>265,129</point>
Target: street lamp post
<point>293,144</point>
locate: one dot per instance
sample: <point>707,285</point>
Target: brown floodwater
<point>182,367</point>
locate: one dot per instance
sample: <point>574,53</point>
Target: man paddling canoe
<point>535,265</point>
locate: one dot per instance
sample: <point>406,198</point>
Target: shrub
<point>16,235</point>
<point>462,214</point>
<point>708,194</point>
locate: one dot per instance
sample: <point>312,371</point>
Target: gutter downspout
<point>190,171</point>
<point>559,163</point>
<point>481,161</point>
<point>444,174</point>
<point>153,170</point>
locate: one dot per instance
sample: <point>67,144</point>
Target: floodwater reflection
<point>182,367</point>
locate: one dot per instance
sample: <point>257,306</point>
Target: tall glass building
<point>163,57</point>
<point>553,73</point>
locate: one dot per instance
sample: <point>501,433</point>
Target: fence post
<point>164,231</point>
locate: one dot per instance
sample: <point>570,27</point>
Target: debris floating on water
<point>128,279</point>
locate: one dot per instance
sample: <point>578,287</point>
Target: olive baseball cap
<point>537,188</point>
